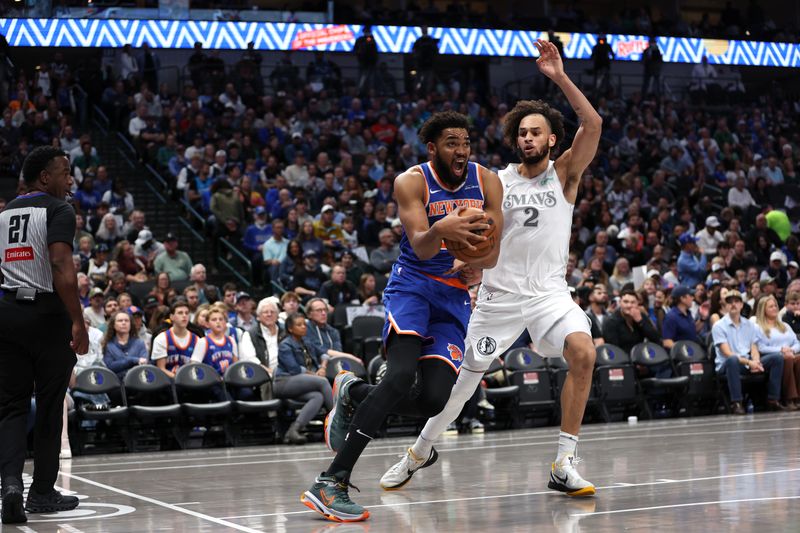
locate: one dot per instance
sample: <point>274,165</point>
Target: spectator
<point>308,280</point>
<point>791,313</point>
<point>653,62</point>
<point>291,263</point>
<point>773,172</point>
<point>244,319</point>
<point>122,348</point>
<point>308,239</point>
<point>709,237</point>
<point>163,290</point>
<point>679,325</point>
<point>95,312</point>
<point>207,293</point>
<point>300,375</point>
<point>109,232</point>
<point>628,326</point>
<point>598,301</point>
<point>739,197</point>
<point>776,338</point>
<point>174,262</point>
<point>326,230</point>
<point>261,341</point>
<point>691,263</point>
<point>146,248</point>
<point>735,341</point>
<point>98,266</point>
<point>383,257</point>
<point>621,276</point>
<point>130,265</point>
<point>128,66</point>
<point>602,55</point>
<point>217,349</point>
<point>703,85</point>
<point>776,270</point>
<point>192,298</point>
<point>366,51</point>
<point>175,346</point>
<point>338,290</point>
<point>137,318</point>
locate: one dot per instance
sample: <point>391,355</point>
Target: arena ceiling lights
<point>96,33</point>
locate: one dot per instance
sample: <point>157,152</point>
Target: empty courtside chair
<point>152,404</point>
<point>100,380</point>
<point>340,364</point>
<point>669,390</point>
<point>528,370</point>
<point>559,368</point>
<point>692,361</point>
<point>615,380</point>
<point>367,336</point>
<point>204,402</point>
<point>256,417</point>
<point>499,393</point>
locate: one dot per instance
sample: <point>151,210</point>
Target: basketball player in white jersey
<point>527,288</point>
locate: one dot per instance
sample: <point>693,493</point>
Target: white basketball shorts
<point>500,317</point>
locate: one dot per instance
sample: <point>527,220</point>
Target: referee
<point>41,329</point>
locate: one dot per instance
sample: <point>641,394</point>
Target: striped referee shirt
<point>28,226</point>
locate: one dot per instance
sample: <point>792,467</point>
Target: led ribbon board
<point>97,33</point>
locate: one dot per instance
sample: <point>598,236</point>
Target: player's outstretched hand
<point>549,62</point>
<point>80,338</point>
<point>454,227</point>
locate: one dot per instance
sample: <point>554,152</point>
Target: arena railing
<point>235,253</point>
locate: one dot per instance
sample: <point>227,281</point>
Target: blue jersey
<point>178,355</point>
<point>220,356</point>
<point>439,202</point>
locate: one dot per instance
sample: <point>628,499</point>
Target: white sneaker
<point>401,473</point>
<point>485,405</point>
<point>565,478</point>
<point>476,426</point>
<point>452,429</point>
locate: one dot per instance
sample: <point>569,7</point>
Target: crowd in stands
<point>687,216</point>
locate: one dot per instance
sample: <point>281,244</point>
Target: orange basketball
<point>460,250</point>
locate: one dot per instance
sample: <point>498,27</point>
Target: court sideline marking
<point>693,504</point>
<point>587,433</point>
<point>548,442</point>
<point>218,521</point>
<point>538,493</point>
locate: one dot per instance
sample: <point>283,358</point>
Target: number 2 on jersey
<point>18,228</point>
<point>533,214</point>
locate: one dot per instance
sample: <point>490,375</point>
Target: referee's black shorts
<point>35,356</point>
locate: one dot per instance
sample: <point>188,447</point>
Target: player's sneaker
<point>565,478</point>
<point>452,429</point>
<point>401,473</point>
<point>329,497</point>
<point>13,510</point>
<point>337,423</point>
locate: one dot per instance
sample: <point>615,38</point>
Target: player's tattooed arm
<point>571,164</point>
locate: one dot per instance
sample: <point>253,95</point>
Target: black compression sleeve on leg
<point>436,381</point>
<point>403,352</point>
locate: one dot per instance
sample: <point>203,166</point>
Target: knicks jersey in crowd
<point>538,221</point>
<point>420,298</point>
<point>179,355</point>
<point>439,202</point>
<point>221,354</point>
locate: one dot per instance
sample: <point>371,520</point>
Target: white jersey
<point>534,247</point>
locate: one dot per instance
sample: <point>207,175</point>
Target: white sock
<point>462,391</point>
<point>567,445</point>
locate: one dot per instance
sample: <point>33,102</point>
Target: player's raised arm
<point>573,162</point>
<point>427,240</point>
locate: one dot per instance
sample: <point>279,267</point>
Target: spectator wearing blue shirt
<point>735,342</point>
<point>691,263</point>
<point>273,252</point>
<point>679,325</point>
<point>122,348</point>
<point>254,238</point>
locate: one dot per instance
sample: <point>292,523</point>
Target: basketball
<point>484,248</point>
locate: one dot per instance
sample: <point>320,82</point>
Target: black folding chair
<point>668,390</point>
<point>204,402</point>
<point>501,394</point>
<point>528,370</point>
<point>254,416</point>
<point>692,361</point>
<point>615,379</point>
<point>153,407</point>
<point>100,380</point>
<point>367,336</point>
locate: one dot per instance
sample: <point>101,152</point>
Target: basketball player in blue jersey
<point>427,307</point>
<point>174,347</point>
<point>527,288</point>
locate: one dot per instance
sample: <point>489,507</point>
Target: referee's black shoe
<point>52,502</point>
<point>13,512</point>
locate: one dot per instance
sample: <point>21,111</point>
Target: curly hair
<point>438,122</point>
<point>524,108</point>
<point>37,161</point>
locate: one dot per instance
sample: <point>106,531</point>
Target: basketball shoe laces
<point>343,486</point>
<point>406,465</point>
